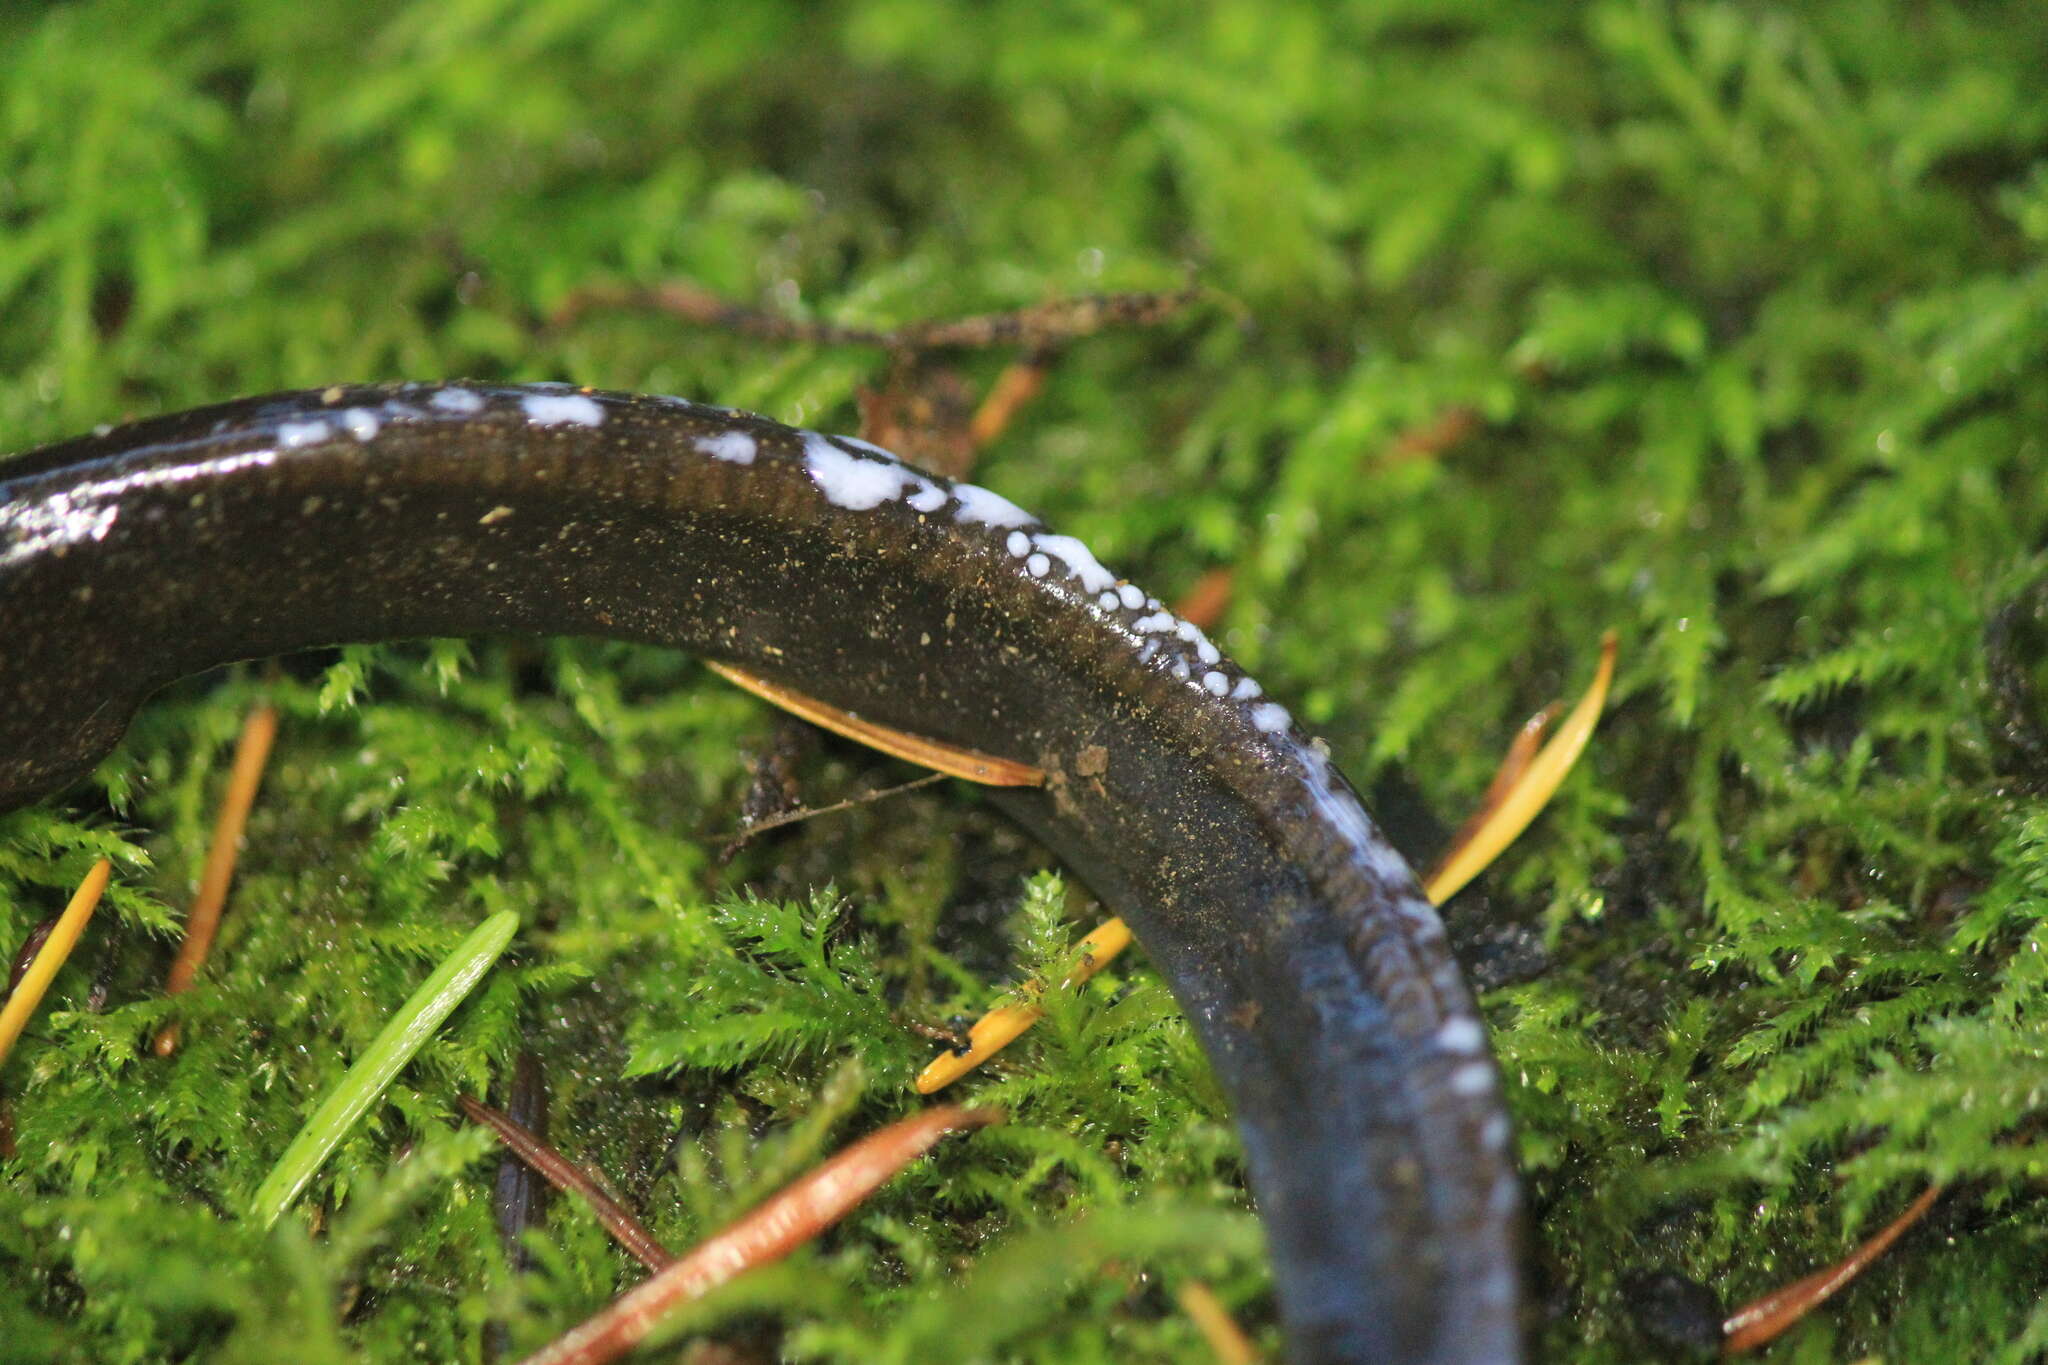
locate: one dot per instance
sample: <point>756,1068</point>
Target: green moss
<point>1751,305</point>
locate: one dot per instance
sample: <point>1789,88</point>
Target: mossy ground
<point>1751,305</point>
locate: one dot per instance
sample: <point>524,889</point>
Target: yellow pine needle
<point>1226,1339</point>
<point>36,980</point>
<point>1520,804</point>
<point>950,759</point>
<point>1004,1024</point>
<point>1518,792</point>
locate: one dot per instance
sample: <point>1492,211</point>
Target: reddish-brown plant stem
<point>252,752</point>
<point>566,1176</point>
<point>1759,1322</point>
<point>791,1217</point>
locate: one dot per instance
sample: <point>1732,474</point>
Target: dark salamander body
<point>1294,936</point>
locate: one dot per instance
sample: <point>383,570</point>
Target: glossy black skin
<point>1316,975</point>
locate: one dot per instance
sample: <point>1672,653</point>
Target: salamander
<point>1314,971</point>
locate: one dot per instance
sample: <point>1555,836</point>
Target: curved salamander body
<point>1316,974</point>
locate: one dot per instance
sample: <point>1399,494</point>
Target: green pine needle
<point>386,1056</point>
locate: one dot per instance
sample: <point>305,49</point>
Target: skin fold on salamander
<point>1314,971</point>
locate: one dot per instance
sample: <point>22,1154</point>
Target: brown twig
<point>791,817</point>
<point>1759,1322</point>
<point>252,751</point>
<point>566,1176</point>
<point>1040,325</point>
<point>695,304</point>
<point>922,409</point>
<point>1053,323</point>
<point>791,1217</point>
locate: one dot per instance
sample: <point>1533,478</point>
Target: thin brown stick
<point>1757,1323</point>
<point>1046,324</point>
<point>252,752</point>
<point>791,817</point>
<point>695,304</point>
<point>566,1176</point>
<point>791,1217</point>
<point>1040,325</point>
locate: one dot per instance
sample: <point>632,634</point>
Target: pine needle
<point>386,1056</point>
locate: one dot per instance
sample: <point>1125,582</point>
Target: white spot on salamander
<point>860,476</point>
<point>1192,633</point>
<point>1080,561</point>
<point>292,435</point>
<point>561,409</point>
<point>849,481</point>
<point>1461,1035</point>
<point>494,516</point>
<point>461,401</point>
<point>734,447</point>
<point>977,504</point>
<point>1473,1078</point>
<point>360,423</point>
<point>1270,717</point>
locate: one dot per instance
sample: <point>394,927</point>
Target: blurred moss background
<point>1724,325</point>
